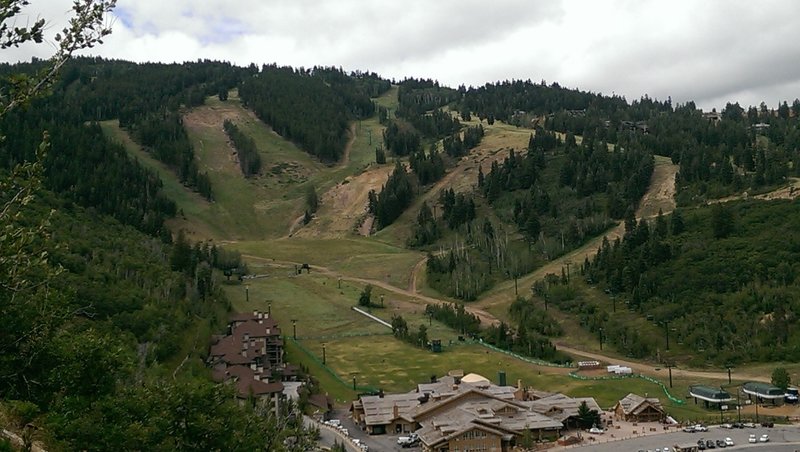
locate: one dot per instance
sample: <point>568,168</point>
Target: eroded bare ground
<point>790,191</point>
<point>343,205</point>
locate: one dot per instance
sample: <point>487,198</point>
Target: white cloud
<point>710,52</point>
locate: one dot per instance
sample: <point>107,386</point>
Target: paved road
<point>328,437</point>
<point>782,438</point>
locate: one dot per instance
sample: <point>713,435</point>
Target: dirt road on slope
<point>660,195</point>
<point>645,368</point>
<point>485,317</point>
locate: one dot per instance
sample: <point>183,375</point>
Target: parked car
<point>749,425</point>
<point>752,439</point>
<point>791,395</point>
<point>727,425</point>
<point>721,444</point>
<point>768,424</point>
<point>596,431</point>
<point>729,442</point>
<point>700,428</point>
<point>710,444</point>
<point>764,438</point>
<point>689,429</point>
<point>408,441</point>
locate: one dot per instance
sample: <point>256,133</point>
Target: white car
<point>764,438</point>
<point>700,428</point>
<point>729,442</point>
<point>596,430</point>
<point>752,439</point>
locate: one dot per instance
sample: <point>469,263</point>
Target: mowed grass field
<point>359,347</point>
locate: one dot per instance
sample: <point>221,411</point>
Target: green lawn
<point>357,346</point>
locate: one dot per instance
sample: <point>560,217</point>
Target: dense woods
<point>246,150</point>
<point>312,107</point>
<point>395,196</point>
<point>722,276</point>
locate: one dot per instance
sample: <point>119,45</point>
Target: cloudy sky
<point>710,51</point>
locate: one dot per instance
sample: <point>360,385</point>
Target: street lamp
<point>324,361</point>
<point>269,309</point>
<point>247,292</point>
<point>294,329</point>
<point>729,373</point>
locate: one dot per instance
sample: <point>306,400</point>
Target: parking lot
<point>781,438</point>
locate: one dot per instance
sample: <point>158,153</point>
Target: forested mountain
<point>718,153</point>
<point>724,277</point>
<point>98,297</point>
<point>312,107</point>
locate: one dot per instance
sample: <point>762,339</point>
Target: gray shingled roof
<point>634,404</point>
<point>562,407</point>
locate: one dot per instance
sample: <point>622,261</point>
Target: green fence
<point>538,362</point>
<point>316,360</point>
<point>622,377</point>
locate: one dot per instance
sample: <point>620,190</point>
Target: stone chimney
<point>395,411</point>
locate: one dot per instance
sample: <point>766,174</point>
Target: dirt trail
<point>349,146</point>
<point>790,191</point>
<point>342,205</point>
<point>412,283</point>
<point>484,316</point>
<point>660,195</point>
<point>646,368</point>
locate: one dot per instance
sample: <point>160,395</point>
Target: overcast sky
<point>710,51</point>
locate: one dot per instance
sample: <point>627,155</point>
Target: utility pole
<point>269,309</point>
<point>666,331</point>
<point>247,292</point>
<point>568,264</point>
<point>323,354</point>
<point>294,329</point>
<point>729,374</point>
<point>669,368</point>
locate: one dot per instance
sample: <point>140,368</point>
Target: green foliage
<point>454,146</point>
<point>305,107</point>
<point>457,208</point>
<point>429,167</point>
<point>365,298</point>
<point>530,318</point>
<point>193,415</point>
<point>312,199</point>
<point>249,158</point>
<point>426,230</point>
<point>400,330</point>
<point>472,264</point>
<point>744,283</point>
<point>395,196</point>
<point>401,138</point>
<point>526,343</point>
<point>587,418</point>
<point>455,316</point>
<point>781,378</point>
<point>380,156</point>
